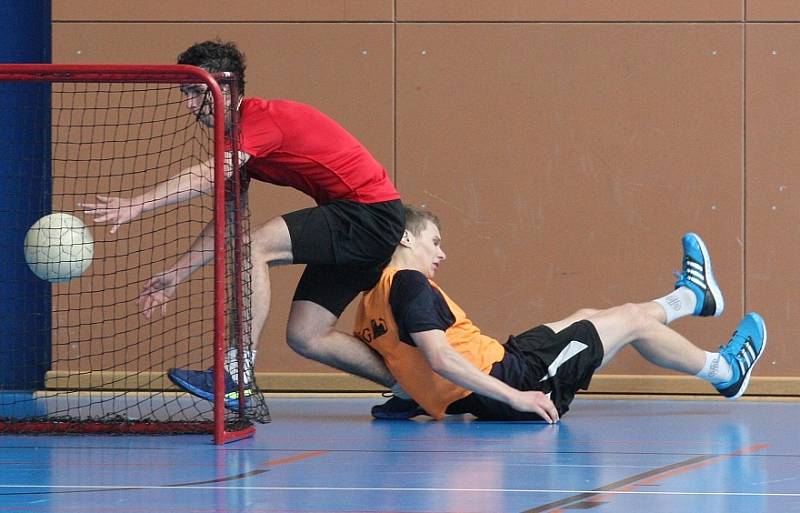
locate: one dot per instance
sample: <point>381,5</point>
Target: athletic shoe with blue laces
<point>201,384</point>
<point>742,352</point>
<point>397,409</point>
<point>698,277</point>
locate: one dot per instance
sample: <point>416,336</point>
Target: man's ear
<point>407,239</point>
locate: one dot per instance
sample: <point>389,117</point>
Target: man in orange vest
<point>446,365</point>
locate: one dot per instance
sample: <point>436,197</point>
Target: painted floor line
<point>398,489</point>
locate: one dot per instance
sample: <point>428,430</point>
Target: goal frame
<point>171,74</point>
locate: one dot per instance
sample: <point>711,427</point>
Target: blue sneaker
<point>698,277</point>
<point>201,384</point>
<point>397,409</point>
<point>742,352</point>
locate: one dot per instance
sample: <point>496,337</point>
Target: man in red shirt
<point>345,241</point>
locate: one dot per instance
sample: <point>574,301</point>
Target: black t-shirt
<point>417,306</point>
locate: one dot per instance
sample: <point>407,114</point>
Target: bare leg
<point>311,328</point>
<point>580,315</point>
<point>666,347</point>
<point>641,325</point>
<point>311,333</point>
<point>271,245</point>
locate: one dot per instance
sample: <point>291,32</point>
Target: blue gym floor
<point>327,455</point>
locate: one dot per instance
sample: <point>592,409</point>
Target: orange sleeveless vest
<point>375,325</point>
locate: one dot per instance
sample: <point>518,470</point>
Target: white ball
<point>58,247</point>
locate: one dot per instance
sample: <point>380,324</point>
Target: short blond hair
<point>417,217</point>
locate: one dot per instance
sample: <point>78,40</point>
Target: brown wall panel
<point>216,11</point>
<point>773,10</point>
<point>567,160</point>
<point>568,10</point>
<point>344,70</point>
<point>773,184</point>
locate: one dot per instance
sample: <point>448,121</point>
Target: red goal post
<point>97,363</point>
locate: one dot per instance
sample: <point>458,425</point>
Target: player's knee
<point>299,339</point>
<point>264,253</point>
<point>304,339</point>
<point>271,242</point>
<point>636,318</point>
<point>585,313</point>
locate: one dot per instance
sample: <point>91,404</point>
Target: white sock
<point>716,370</point>
<point>232,364</point>
<point>678,303</point>
<point>398,391</point>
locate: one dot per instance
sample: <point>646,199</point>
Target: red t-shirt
<point>296,145</point>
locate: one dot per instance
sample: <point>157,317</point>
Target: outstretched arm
<point>448,363</point>
<point>189,183</point>
<point>161,288</point>
<point>192,181</point>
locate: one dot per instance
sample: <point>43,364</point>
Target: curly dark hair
<point>215,57</point>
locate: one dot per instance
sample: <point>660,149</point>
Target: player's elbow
<point>439,361</point>
<point>437,365</point>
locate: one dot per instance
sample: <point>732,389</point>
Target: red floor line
<point>296,457</point>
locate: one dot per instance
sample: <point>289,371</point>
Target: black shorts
<point>566,360</point>
<point>346,246</point>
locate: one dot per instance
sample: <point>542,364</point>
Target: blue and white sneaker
<point>698,277</point>
<point>201,384</point>
<point>742,352</point>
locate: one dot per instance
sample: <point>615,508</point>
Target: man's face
<point>200,102</point>
<point>427,249</point>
